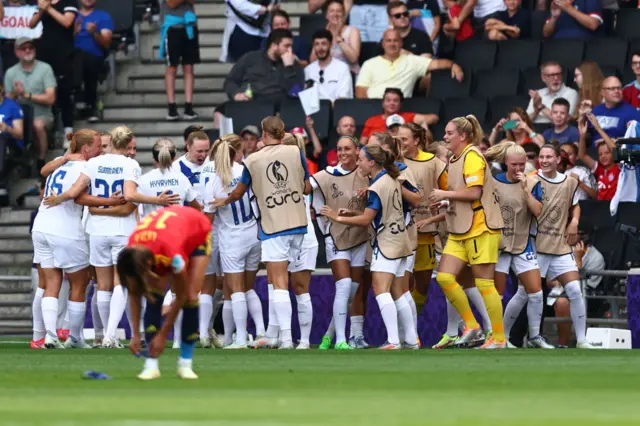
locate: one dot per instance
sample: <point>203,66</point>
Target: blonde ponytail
<point>164,152</point>
<point>470,126</point>
<point>120,137</point>
<point>500,152</point>
<point>295,140</point>
<point>224,153</point>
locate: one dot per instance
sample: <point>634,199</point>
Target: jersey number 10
<point>245,210</point>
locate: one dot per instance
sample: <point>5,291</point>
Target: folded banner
<point>16,23</point>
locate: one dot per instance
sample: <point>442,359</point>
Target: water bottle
<point>249,92</point>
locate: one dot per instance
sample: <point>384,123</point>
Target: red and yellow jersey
<point>173,234</point>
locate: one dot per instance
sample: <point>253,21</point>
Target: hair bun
<point>69,136</point>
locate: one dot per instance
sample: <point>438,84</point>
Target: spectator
<point>573,19</point>
<point>413,40</point>
<point>346,126</point>
<point>631,92</point>
<point>539,108</point>
<point>533,151</point>
<point>33,82</point>
<point>179,36</point>
<point>248,24</point>
<point>586,181</point>
<point>483,10</point>
<point>393,124</point>
<point>588,79</point>
<point>346,38</point>
<point>394,69</point>
<point>512,23</point>
<point>251,136</point>
<point>369,17</point>
<point>561,131</point>
<point>589,258</point>
<point>268,75</point>
<point>519,129</point>
<point>93,33</point>
<point>459,26</point>
<point>280,20</point>
<point>425,16</point>
<point>11,135</point>
<point>55,47</point>
<point>312,144</point>
<point>614,114</point>
<point>391,105</point>
<point>331,76</point>
<point>605,170</point>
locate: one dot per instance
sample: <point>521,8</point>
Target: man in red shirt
<point>631,92</point>
<point>391,104</point>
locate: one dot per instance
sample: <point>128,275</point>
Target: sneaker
<point>342,346</point>
<point>73,343</point>
<point>539,342</point>
<point>109,343</point>
<point>205,342</point>
<point>511,345</point>
<point>189,113</point>
<point>236,346</point>
<point>415,347</point>
<point>492,344</point>
<point>176,344</point>
<point>358,343</point>
<point>446,342</point>
<point>216,341</point>
<point>325,344</point>
<point>390,347</point>
<point>562,347</point>
<point>286,345</point>
<point>63,334</point>
<point>173,113</point>
<point>92,117</point>
<point>303,346</point>
<point>585,345</point>
<point>53,343</point>
<point>37,344</point>
<point>471,337</point>
<point>149,374</point>
<point>266,343</point>
<point>186,373</point>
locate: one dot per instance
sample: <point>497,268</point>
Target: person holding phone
<point>518,128</point>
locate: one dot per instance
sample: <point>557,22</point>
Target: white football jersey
<point>235,222</point>
<point>318,199</point>
<point>156,181</point>
<point>193,173</point>
<point>65,219</point>
<point>107,174</point>
<point>310,239</point>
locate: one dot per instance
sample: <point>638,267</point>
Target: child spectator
<point>605,170</point>
<point>513,23</point>
<point>460,31</point>
<point>561,131</point>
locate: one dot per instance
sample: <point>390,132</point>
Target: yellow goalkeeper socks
<point>454,292</point>
<point>494,306</point>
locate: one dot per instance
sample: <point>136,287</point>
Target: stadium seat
<point>311,23</point>
<point>496,82</point>
<point>421,106</point>
<point>368,50</point>
<point>518,54</point>
<point>443,86</point>
<point>634,47</point>
<point>609,71</point>
<point>501,106</point>
<point>627,23</point>
<point>476,54</point>
<point>359,109</point>
<point>538,18</point>
<point>248,113</point>
<point>122,13</point>
<point>610,52</point>
<point>595,215</point>
<point>460,107</point>
<point>214,134</point>
<point>292,114</point>
<point>567,52</point>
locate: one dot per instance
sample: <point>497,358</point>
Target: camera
<point>630,154</point>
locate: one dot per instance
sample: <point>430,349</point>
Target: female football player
<point>557,232</point>
<point>169,245</point>
<point>474,223</point>
<point>341,187</point>
<point>520,199</point>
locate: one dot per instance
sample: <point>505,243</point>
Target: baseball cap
<point>251,130</point>
<point>394,120</point>
<point>23,40</point>
<point>299,131</point>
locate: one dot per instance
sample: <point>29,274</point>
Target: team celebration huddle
<point>174,245</point>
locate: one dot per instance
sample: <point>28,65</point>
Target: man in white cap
<point>393,124</point>
<point>391,105</point>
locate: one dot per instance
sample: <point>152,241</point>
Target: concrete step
<point>10,243</point>
<point>32,201</point>
<point>153,128</point>
<point>210,24</point>
<point>13,326</point>
<point>15,216</point>
<point>208,9</point>
<point>10,229</point>
<point>17,258</point>
<point>207,53</point>
<point>154,67</point>
<point>16,313</point>
<point>145,113</point>
<point>157,98</point>
<point>154,83</point>
<point>15,299</point>
<point>21,269</point>
<point>15,284</point>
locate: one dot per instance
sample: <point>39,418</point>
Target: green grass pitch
<point>261,387</point>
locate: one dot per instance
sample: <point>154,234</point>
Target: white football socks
<point>406,319</point>
<point>116,310</point>
<point>474,296</point>
<point>357,326</point>
<point>76,319</point>
<point>305,316</point>
<point>340,305</point>
<point>255,310</point>
<point>412,305</point>
<point>36,310</point>
<point>104,305</point>
<point>578,310</point>
<point>283,310</point>
<point>62,321</point>
<point>228,322</point>
<point>513,309</point>
<point>98,327</point>
<point>50,315</point>
<point>389,316</point>
<point>453,320</point>
<point>240,313</point>
<point>206,312</point>
<point>273,329</point>
<point>534,313</point>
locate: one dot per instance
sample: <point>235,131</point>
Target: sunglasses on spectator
<point>555,74</point>
<point>404,14</point>
<point>26,47</point>
<point>613,89</point>
<point>321,76</point>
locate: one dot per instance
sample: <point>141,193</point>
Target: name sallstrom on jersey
<point>278,175</point>
<point>164,183</point>
<point>111,170</point>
